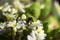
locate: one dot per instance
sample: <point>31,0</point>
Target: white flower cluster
<point>17,21</point>
<point>37,29</point>
<point>37,32</point>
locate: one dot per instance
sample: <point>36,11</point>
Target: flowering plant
<point>32,21</point>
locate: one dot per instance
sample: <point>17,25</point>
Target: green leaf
<point>46,9</point>
<point>34,10</point>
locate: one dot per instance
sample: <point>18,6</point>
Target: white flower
<point>37,23</point>
<point>20,24</point>
<point>2,25</point>
<point>11,24</point>
<point>14,11</point>
<point>7,7</point>
<point>57,6</point>
<point>32,36</point>
<point>10,15</point>
<point>18,5</point>
<point>37,34</point>
<point>23,16</point>
<point>40,34</point>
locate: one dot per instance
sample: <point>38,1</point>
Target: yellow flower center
<point>38,31</point>
<point>33,23</point>
<point>13,25</point>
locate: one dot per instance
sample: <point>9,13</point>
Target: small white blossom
<point>18,5</point>
<point>20,24</point>
<point>23,16</point>
<point>2,25</point>
<point>14,11</point>
<point>37,23</point>
<point>37,34</point>
<point>10,15</point>
<point>57,6</point>
<point>7,7</point>
<point>11,24</point>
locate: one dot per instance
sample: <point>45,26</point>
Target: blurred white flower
<point>40,34</point>
<point>2,25</point>
<point>11,24</point>
<point>31,36</point>
<point>7,7</point>
<point>10,15</point>
<point>14,11</point>
<point>20,24</point>
<point>37,35</point>
<point>57,6</point>
<point>23,16</point>
<point>37,23</point>
<point>18,5</point>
